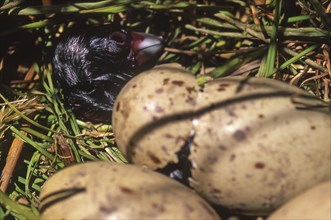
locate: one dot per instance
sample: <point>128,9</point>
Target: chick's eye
<point>119,37</point>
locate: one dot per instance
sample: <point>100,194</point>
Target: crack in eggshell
<point>252,136</point>
<point>151,112</point>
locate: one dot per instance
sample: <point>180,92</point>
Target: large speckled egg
<point>315,203</point>
<point>103,190</point>
<point>151,116</point>
<point>258,142</point>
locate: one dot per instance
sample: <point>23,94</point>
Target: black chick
<point>92,65</point>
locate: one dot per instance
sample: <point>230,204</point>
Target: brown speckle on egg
<point>222,147</point>
<point>149,196</point>
<point>191,89</point>
<point>259,165</point>
<point>239,135</point>
<point>232,157</point>
<point>158,110</point>
<point>107,210</point>
<point>262,142</point>
<point>212,159</point>
<point>222,87</point>
<point>159,90</point>
<point>158,207</point>
<point>178,83</point>
<point>125,189</point>
<point>153,158</point>
<point>230,111</point>
<point>167,135</point>
<point>118,106</point>
<point>166,81</point>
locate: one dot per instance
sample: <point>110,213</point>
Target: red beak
<point>146,47</point>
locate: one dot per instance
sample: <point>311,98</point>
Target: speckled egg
<point>103,190</point>
<point>152,115</point>
<point>258,142</point>
<point>315,203</point>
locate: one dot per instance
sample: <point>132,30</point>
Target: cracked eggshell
<point>258,142</point>
<point>314,203</point>
<point>103,190</point>
<point>151,116</point>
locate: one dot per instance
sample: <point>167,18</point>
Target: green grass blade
<point>11,205</point>
<point>298,56</point>
<point>234,63</point>
<point>38,134</point>
<point>272,51</point>
<point>34,144</point>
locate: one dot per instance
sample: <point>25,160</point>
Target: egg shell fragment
<point>103,190</point>
<point>258,142</point>
<point>314,203</point>
<point>151,117</point>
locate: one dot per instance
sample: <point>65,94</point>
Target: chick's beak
<point>146,47</point>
